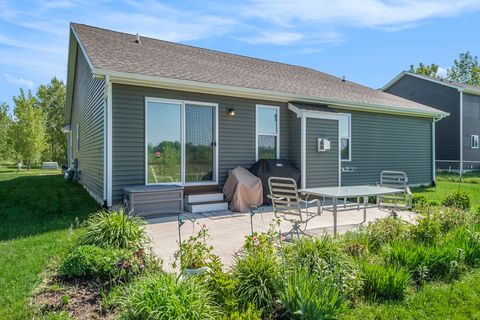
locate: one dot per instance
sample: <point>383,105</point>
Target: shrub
<point>427,228</point>
<point>256,275</point>
<point>383,231</point>
<point>307,296</point>
<point>102,264</point>
<point>419,200</point>
<point>437,261</point>
<point>468,240</point>
<point>222,285</point>
<point>194,252</point>
<point>383,282</point>
<point>114,229</point>
<point>325,257</point>
<point>164,296</point>
<point>457,199</point>
<point>250,313</point>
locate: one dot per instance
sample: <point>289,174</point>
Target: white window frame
<point>349,137</point>
<point>182,104</point>
<point>473,139</point>
<point>257,133</point>
<point>77,133</point>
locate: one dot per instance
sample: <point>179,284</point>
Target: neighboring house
<point>143,111</point>
<point>457,137</point>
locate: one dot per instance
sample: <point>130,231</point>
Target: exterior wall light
<point>231,112</point>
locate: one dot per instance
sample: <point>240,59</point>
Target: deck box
<point>153,200</point>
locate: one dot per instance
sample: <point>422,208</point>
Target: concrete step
<point>206,206</point>
<point>203,197</point>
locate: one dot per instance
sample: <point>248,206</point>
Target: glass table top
<point>350,191</point>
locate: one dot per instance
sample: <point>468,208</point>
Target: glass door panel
<point>164,142</point>
<point>199,143</point>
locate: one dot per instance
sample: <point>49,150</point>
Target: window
<point>345,137</point>
<point>474,143</point>
<point>77,133</point>
<point>267,128</point>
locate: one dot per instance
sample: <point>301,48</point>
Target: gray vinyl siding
<point>388,142</point>
<point>322,167</point>
<point>236,141</point>
<point>471,126</point>
<point>295,140</point>
<point>439,97</point>
<point>88,113</point>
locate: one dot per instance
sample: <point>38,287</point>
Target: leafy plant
<point>222,285</point>
<point>102,264</point>
<point>194,252</point>
<point>383,282</point>
<point>249,313</point>
<point>427,228</point>
<point>256,275</point>
<point>326,258</point>
<point>164,296</point>
<point>305,295</point>
<point>457,199</point>
<point>114,229</point>
<point>383,231</point>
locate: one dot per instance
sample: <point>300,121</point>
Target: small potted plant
<point>194,253</point>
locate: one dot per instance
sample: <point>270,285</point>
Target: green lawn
<point>458,300</point>
<point>37,209</point>
<point>445,187</point>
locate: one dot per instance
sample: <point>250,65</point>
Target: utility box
<point>323,144</point>
<point>153,200</point>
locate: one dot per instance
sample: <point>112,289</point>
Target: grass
<point>457,300</point>
<point>37,209</point>
<point>450,182</point>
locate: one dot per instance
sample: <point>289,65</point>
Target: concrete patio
<point>228,229</point>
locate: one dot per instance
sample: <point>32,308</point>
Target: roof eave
<point>205,87</point>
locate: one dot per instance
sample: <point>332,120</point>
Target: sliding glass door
<point>199,143</point>
<point>180,142</point>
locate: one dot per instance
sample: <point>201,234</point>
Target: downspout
<point>303,149</point>
<point>109,141</point>
<point>461,133</point>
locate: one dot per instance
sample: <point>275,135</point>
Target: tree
<point>28,129</point>
<point>51,99</point>
<point>6,150</point>
<point>431,70</point>
<point>465,70</point>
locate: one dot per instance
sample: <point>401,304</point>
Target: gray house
<point>145,112</point>
<point>457,137</point>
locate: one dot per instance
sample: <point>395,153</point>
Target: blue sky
<point>368,41</point>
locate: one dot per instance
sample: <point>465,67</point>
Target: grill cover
<point>265,169</point>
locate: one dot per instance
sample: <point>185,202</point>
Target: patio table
<point>336,193</point>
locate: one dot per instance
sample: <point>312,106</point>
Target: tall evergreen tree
<point>28,130</point>
<point>51,99</point>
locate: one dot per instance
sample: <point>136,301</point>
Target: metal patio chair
<point>401,200</point>
<point>287,204</point>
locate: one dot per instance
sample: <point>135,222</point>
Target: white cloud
<point>442,72</point>
<point>392,15</point>
<point>20,81</point>
<point>278,38</point>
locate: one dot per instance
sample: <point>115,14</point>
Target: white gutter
<point>204,87</point>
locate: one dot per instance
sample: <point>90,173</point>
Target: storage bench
<point>150,200</point>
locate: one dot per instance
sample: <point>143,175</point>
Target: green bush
<point>256,275</point>
<point>250,313</point>
<point>102,263</point>
<point>468,240</point>
<point>114,229</point>
<point>326,258</point>
<point>194,253</point>
<point>419,200</point>
<point>222,285</point>
<point>427,228</point>
<point>383,282</point>
<point>442,261</point>
<point>165,296</point>
<point>307,296</point>
<point>457,199</point>
<point>383,231</point>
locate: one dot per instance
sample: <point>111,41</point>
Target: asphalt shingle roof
<point>116,51</point>
<point>460,85</point>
